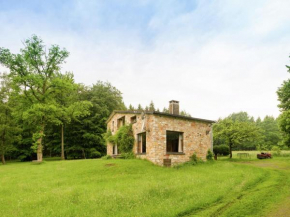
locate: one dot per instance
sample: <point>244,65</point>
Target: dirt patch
<point>283,209</point>
<point>110,165</point>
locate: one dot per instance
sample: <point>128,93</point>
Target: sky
<point>214,57</point>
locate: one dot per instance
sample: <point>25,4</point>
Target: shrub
<point>276,151</point>
<point>93,153</point>
<point>106,157</point>
<point>194,160</point>
<point>128,155</point>
<point>221,150</point>
<point>209,155</point>
<point>109,137</point>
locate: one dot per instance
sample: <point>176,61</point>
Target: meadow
<point>246,187</point>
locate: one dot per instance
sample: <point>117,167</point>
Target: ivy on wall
<point>124,138</point>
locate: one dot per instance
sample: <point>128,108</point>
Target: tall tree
<point>184,113</point>
<point>233,133</point>
<point>131,108</point>
<point>165,110</point>
<point>140,108</point>
<point>9,132</point>
<point>151,106</point>
<point>70,107</point>
<point>84,136</point>
<point>284,105</point>
<point>34,78</point>
<point>272,134</point>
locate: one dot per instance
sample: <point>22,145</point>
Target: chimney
<point>174,107</point>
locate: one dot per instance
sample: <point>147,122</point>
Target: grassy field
<point>253,154</point>
<point>139,188</point>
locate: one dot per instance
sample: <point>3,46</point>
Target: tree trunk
<point>39,146</point>
<point>84,155</point>
<point>231,154</point>
<point>62,143</point>
<point>3,159</point>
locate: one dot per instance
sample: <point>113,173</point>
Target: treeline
<point>151,108</point>
<point>240,131</point>
<point>44,112</point>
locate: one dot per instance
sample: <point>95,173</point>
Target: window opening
<point>174,141</point>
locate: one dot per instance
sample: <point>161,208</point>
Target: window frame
<point>133,119</point>
<point>121,120</point>
<point>140,147</point>
<point>180,138</point>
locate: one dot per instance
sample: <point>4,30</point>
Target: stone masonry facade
<point>196,135</point>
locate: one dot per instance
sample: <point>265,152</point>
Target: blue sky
<point>215,57</point>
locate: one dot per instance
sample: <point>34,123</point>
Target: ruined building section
<point>164,139</point>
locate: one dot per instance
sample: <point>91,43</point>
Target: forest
<point>44,112</point>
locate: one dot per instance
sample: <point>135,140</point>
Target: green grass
<point>253,154</point>
<point>139,188</point>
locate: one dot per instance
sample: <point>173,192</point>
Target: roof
<point>159,113</point>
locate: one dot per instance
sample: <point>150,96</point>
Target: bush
<point>194,160</point>
<point>209,155</point>
<point>106,157</point>
<point>93,153</point>
<point>128,155</point>
<point>221,150</point>
<point>276,151</point>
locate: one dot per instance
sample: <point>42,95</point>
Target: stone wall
<point>196,136</point>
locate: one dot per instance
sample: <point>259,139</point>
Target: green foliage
<point>93,153</point>
<point>109,138</point>
<point>194,160</point>
<point>284,105</point>
<point>184,113</point>
<point>106,157</point>
<point>34,80</point>
<point>9,129</point>
<point>234,133</point>
<point>128,155</point>
<point>151,106</point>
<point>221,150</point>
<point>271,132</point>
<point>209,155</point>
<point>46,101</point>
<point>276,151</point>
<point>124,138</point>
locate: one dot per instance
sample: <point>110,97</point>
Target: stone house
<point>164,138</point>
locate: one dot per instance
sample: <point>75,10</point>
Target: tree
<point>70,107</point>
<point>139,108</point>
<point>271,132</point>
<point>131,108</point>
<point>34,77</point>
<point>8,127</point>
<point>284,125</point>
<point>151,106</point>
<point>233,133</point>
<point>165,110</point>
<point>284,105</point>
<point>241,117</point>
<point>85,134</point>
<point>184,113</point>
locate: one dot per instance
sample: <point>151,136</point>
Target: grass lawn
<point>139,188</point>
